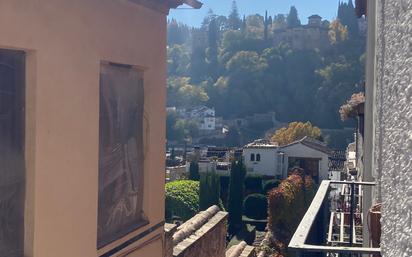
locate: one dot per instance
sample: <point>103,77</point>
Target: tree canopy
<point>231,64</point>
<point>296,131</point>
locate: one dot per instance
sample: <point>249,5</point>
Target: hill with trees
<point>231,63</point>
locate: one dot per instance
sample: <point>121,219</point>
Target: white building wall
<point>393,124</point>
<point>302,151</point>
<point>267,166</point>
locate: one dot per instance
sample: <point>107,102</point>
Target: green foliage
<point>236,69</point>
<point>182,94</point>
<point>236,192</point>
<point>194,171</point>
<point>178,129</point>
<point>234,21</point>
<point>296,131</point>
<point>347,16</point>
<point>253,183</point>
<point>255,206</point>
<point>293,19</point>
<point>270,184</point>
<point>209,190</point>
<point>182,199</point>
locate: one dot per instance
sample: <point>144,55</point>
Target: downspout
<point>370,110</point>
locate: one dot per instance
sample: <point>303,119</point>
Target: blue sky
<point>325,8</point>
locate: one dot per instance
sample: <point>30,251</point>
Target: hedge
<point>255,206</point>
<point>182,199</point>
<point>270,184</point>
<point>253,183</point>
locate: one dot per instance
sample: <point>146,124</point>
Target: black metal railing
<point>348,203</point>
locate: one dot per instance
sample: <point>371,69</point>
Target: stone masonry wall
<point>393,125</point>
<point>207,241</point>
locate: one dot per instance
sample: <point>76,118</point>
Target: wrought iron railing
<point>347,241</point>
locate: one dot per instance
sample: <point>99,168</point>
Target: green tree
<point>183,94</point>
<point>347,16</point>
<point>234,21</point>
<point>178,60</point>
<point>293,18</point>
<point>236,191</point>
<point>194,171</point>
<point>174,132</point>
<point>182,199</point>
<point>296,131</point>
<point>212,50</point>
<point>209,190</point>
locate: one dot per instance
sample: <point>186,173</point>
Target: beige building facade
<point>56,62</point>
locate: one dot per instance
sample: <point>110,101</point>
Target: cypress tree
<point>293,18</point>
<point>266,26</point>
<point>233,21</point>
<point>194,171</point>
<point>209,191</point>
<point>236,191</point>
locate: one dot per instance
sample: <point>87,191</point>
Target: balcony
<point>333,225</point>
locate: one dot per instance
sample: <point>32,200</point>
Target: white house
<point>310,155</point>
<point>261,157</point>
<point>268,159</point>
<point>207,123</point>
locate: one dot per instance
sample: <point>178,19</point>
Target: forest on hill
<point>242,66</point>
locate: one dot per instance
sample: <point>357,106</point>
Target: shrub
<point>255,206</point>
<point>288,204</point>
<point>270,184</point>
<point>253,184</point>
<point>236,191</point>
<point>182,199</point>
<point>209,193</point>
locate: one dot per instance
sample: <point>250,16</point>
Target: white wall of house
<point>208,123</point>
<point>303,151</point>
<point>268,164</point>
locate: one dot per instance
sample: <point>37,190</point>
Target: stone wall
<point>202,236</point>
<point>393,124</point>
<point>241,250</point>
<point>170,229</point>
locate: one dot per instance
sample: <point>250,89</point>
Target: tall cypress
<point>234,21</point>
<point>266,26</point>
<point>293,18</point>
<point>209,191</point>
<point>236,191</point>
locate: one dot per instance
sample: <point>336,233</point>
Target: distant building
<point>313,35</point>
<point>261,157</point>
<point>310,155</point>
<point>269,159</point>
<point>203,115</point>
<point>315,21</point>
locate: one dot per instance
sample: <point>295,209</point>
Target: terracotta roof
<point>312,143</point>
<point>315,16</point>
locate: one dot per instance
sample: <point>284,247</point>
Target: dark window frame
<point>12,152</point>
